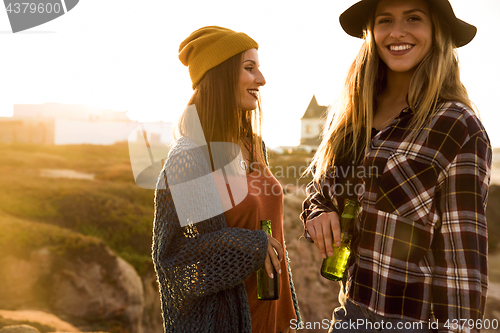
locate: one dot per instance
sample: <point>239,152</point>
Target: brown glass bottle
<point>333,267</point>
<point>267,289</point>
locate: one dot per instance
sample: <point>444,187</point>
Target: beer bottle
<point>333,267</point>
<point>267,289</point>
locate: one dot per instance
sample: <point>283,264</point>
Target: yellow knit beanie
<point>210,46</point>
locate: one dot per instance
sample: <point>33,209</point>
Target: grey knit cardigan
<point>201,267</point>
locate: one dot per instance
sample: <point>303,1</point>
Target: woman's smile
<point>254,93</point>
<point>400,49</point>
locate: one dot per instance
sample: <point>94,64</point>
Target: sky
<point>123,55</point>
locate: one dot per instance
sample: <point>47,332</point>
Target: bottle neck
<point>349,214</point>
<point>266,227</point>
<point>345,223</point>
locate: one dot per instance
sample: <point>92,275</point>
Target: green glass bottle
<point>333,267</point>
<point>267,289</point>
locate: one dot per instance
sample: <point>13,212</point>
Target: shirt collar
<point>407,109</point>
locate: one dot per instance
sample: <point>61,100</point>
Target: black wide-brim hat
<point>354,20</point>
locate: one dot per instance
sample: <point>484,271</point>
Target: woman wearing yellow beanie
<point>212,194</point>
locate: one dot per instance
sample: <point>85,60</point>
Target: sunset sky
<point>122,55</point>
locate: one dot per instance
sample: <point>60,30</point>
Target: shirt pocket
<point>406,192</point>
<point>407,187</point>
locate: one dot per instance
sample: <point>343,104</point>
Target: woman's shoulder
<point>457,119</point>
<point>454,127</point>
<point>186,160</point>
<point>183,146</point>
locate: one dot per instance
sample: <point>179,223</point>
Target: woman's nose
<point>398,31</point>
<point>260,79</point>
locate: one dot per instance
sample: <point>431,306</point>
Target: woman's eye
<point>250,69</point>
<point>384,20</point>
<point>414,18</point>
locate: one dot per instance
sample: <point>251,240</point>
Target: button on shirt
<point>419,248</point>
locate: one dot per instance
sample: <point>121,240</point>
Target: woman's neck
<point>393,99</point>
<point>397,86</point>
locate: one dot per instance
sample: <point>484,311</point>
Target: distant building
<point>27,130</point>
<point>61,124</point>
<point>68,112</point>
<point>312,123</point>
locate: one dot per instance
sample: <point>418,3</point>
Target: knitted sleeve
<point>198,259</point>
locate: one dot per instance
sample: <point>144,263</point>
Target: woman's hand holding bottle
<point>274,256</point>
<point>324,230</point>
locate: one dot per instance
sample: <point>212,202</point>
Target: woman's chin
<point>248,107</point>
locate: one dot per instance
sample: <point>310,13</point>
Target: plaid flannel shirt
<point>419,247</point>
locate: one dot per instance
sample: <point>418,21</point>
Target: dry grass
<point>111,208</point>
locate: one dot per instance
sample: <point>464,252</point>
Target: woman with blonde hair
<point>422,160</point>
<point>210,201</point>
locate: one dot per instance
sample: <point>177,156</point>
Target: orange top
<point>265,202</point>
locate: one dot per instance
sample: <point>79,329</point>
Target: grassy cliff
<point>110,207</point>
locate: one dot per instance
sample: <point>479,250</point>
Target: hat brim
<point>355,18</point>
<point>461,31</point>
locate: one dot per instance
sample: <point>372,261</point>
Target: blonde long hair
<point>436,80</point>
<point>216,100</point>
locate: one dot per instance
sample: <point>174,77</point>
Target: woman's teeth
<point>400,47</point>
<point>253,92</point>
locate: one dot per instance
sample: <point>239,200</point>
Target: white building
<point>69,112</point>
<point>312,123</point>
<point>61,124</point>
